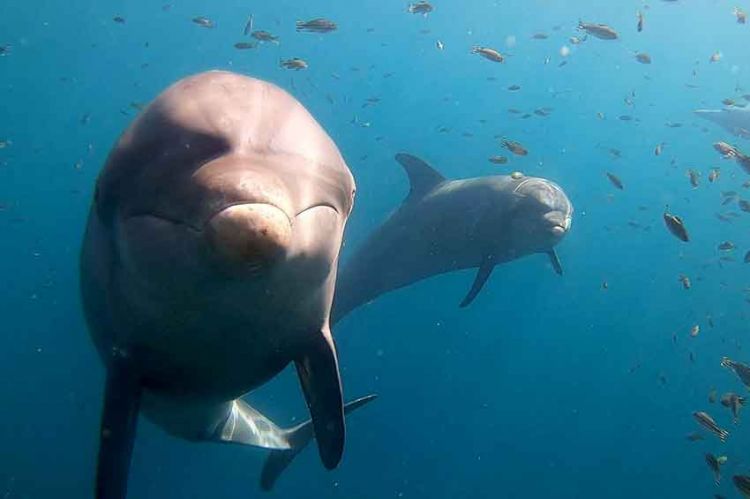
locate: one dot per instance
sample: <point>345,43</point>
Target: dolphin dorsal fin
<point>422,177</point>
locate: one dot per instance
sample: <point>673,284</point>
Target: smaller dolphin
<point>735,120</point>
<point>446,225</point>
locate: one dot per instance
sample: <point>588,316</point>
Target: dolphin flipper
<point>298,437</point>
<point>122,398</point>
<point>318,373</point>
<point>422,176</point>
<point>482,275</point>
<point>555,261</point>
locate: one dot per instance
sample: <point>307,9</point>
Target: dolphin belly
<point>368,275</point>
<point>412,245</point>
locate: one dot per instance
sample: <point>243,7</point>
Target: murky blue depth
<point>546,387</point>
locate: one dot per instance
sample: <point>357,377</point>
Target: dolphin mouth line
<point>201,228</point>
<point>563,227</point>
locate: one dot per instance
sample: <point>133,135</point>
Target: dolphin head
<point>225,179</point>
<point>543,214</point>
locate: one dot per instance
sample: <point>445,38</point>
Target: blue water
<point>545,387</point>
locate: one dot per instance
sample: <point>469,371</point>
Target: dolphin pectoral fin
<point>245,425</point>
<point>555,261</point>
<point>482,275</point>
<point>122,397</point>
<point>318,373</point>
<point>422,176</point>
<point>299,436</point>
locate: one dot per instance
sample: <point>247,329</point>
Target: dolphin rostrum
<point>446,225</point>
<point>209,264</point>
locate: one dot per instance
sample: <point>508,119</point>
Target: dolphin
<point>209,264</point>
<point>446,225</point>
<point>735,120</point>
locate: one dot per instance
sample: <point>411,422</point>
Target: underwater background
<point>575,387</point>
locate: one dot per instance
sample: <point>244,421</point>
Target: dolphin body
<point>209,264</point>
<point>446,225</point>
<point>735,120</point>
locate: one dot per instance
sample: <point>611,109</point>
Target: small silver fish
<point>741,370</point>
<point>422,7</point>
<point>693,176</point>
<point>742,482</point>
<point>601,31</point>
<point>685,280</point>
<point>643,58</point>
<point>488,53</point>
<point>319,25</point>
<point>615,180</point>
<point>294,63</point>
<point>726,150</point>
<point>265,36</point>
<point>734,403</point>
<point>676,226</point>
<point>708,423</point>
<point>694,437</point>
<point>515,147</point>
<point>714,466</point>
<point>740,15</point>
<point>204,22</point>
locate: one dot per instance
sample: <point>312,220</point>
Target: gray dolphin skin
<point>735,120</point>
<point>446,225</point>
<point>208,265</point>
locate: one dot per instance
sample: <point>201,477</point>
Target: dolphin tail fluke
<point>298,437</point>
<point>244,425</point>
<point>122,396</point>
<point>482,275</point>
<point>318,371</point>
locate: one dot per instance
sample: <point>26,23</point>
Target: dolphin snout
<point>559,222</point>
<point>254,233</point>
